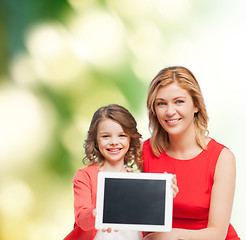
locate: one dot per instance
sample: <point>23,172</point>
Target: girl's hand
<point>109,230</point>
<point>94,212</point>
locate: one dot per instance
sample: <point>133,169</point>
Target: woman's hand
<point>173,235</point>
<point>174,185</point>
<point>155,236</point>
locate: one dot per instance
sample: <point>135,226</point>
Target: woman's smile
<point>173,122</point>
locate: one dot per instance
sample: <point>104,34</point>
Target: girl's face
<point>112,141</point>
<point>175,109</point>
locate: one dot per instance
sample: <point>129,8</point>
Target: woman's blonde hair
<point>125,119</point>
<point>186,80</point>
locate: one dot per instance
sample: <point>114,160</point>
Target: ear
<point>196,109</point>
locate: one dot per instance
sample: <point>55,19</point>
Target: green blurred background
<point>61,60</point>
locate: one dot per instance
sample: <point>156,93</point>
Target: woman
<point>180,144</point>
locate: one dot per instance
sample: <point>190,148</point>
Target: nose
<point>170,110</point>
<point>113,140</point>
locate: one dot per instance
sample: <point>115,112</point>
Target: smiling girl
<point>112,144</point>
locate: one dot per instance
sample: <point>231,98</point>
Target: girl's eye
<point>123,135</point>
<point>105,136</point>
<point>179,101</point>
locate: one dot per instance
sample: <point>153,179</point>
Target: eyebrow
<point>102,132</point>
<point>173,99</point>
<point>109,132</point>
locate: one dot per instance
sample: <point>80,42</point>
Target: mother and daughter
<point>179,144</point>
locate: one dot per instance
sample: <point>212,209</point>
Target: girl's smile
<point>114,150</point>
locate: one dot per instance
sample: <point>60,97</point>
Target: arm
<point>220,206</point>
<point>83,202</point>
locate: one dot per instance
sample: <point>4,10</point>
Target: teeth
<point>173,121</point>
<point>114,150</point>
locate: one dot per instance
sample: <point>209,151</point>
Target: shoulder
<point>226,165</point>
<point>146,150</point>
<point>214,149</point>
<point>146,144</point>
<point>227,157</point>
<point>225,152</point>
<point>212,144</point>
<point>86,173</point>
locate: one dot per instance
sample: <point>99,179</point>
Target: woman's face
<point>175,109</point>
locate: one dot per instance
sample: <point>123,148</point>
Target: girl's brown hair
<point>186,80</point>
<point>123,117</point>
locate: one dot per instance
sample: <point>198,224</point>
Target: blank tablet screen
<point>123,201</point>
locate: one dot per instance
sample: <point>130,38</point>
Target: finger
<point>94,212</point>
<point>107,230</point>
<point>174,179</point>
<point>175,190</point>
<point>148,237</point>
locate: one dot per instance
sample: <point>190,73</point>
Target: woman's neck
<point>183,147</point>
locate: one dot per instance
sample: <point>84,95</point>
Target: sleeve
<point>83,202</point>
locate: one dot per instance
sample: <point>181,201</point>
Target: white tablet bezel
<point>138,227</point>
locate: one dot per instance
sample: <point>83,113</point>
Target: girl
<point>180,144</point>
<point>113,144</point>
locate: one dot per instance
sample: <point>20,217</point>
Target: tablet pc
<point>134,201</point>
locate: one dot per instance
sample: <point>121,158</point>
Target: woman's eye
<point>160,103</point>
<point>179,101</point>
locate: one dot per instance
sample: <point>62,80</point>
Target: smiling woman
<point>180,145</point>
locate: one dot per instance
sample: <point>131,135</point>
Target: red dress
<point>195,180</point>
